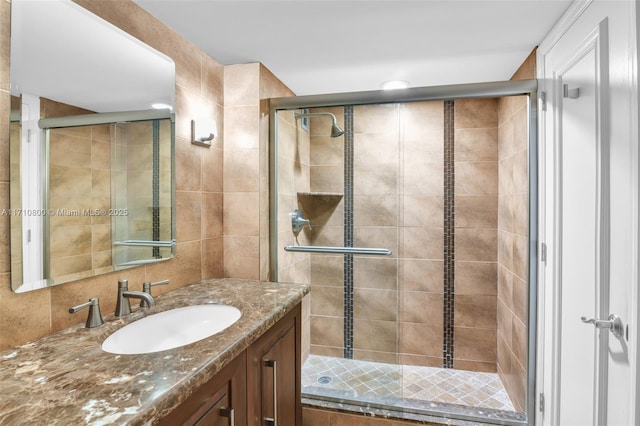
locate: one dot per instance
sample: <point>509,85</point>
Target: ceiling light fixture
<point>160,105</point>
<point>394,84</point>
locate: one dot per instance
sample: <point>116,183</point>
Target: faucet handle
<point>123,306</point>
<point>94,318</point>
<point>123,284</point>
<point>146,287</point>
<point>298,222</point>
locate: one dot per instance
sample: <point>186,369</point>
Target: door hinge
<point>543,101</point>
<point>28,135</point>
<point>543,252</point>
<point>541,407</point>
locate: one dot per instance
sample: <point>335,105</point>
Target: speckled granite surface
<point>66,379</point>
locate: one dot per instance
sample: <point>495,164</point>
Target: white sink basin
<point>171,329</point>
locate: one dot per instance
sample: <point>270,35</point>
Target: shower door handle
<point>614,324</point>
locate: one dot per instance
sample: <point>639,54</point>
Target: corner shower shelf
<point>320,197</point>
<point>317,205</point>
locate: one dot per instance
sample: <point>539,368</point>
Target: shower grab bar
<point>144,243</point>
<point>339,250</point>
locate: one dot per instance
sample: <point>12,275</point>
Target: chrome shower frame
<point>527,88</point>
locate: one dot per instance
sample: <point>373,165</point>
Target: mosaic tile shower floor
<point>392,384</point>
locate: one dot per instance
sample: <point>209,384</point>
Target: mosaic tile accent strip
<point>449,235</point>
<point>348,231</point>
<point>155,185</point>
<point>402,385</point>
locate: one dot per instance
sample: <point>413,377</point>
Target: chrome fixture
<point>146,287</point>
<point>203,131</point>
<point>298,222</point>
<point>94,319</point>
<point>614,324</point>
<point>123,305</point>
<point>339,250</point>
<point>335,129</point>
<point>570,93</point>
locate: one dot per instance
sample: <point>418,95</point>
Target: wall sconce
<point>203,132</point>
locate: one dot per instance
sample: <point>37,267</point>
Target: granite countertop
<point>65,378</point>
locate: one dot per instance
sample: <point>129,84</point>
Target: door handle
<point>614,324</point>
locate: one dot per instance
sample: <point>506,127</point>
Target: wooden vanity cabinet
<point>273,375</point>
<point>260,387</point>
<point>219,402</point>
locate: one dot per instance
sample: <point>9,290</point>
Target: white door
<point>590,194</point>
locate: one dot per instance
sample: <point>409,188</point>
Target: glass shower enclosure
<point>412,216</point>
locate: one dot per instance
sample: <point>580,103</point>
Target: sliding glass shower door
<point>437,317</point>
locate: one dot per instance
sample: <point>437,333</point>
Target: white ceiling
<point>335,46</point>
<point>62,52</point>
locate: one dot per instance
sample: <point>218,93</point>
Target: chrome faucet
<point>146,287</point>
<point>94,319</point>
<point>123,305</point>
<point>298,222</point>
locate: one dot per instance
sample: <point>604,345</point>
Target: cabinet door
<point>273,375</point>
<point>279,381</point>
<point>219,402</point>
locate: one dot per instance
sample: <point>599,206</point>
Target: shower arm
<point>298,115</point>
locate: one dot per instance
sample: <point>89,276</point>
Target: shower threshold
<point>455,394</point>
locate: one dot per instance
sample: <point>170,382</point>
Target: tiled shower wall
<point>398,204</point>
<point>293,179</point>
<point>476,219</point>
<point>134,187</point>
<point>513,300</point>
<point>80,179</point>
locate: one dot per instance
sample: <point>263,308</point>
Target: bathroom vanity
<point>247,374</point>
<point>261,386</point>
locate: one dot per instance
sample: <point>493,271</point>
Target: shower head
<point>336,130</point>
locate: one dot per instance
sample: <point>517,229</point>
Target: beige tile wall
<point>476,207</point>
<point>398,203</point>
<point>421,233</point>
<point>246,168</point>
<point>199,92</point>
<point>293,178</point>
<point>326,215</point>
<point>80,162</point>
<point>513,302</point>
<point>398,189</point>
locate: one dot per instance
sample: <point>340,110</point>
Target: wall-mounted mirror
<point>91,161</point>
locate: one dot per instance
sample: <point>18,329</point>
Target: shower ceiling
<point>345,46</point>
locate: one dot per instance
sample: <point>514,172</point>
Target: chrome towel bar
<point>339,250</point>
